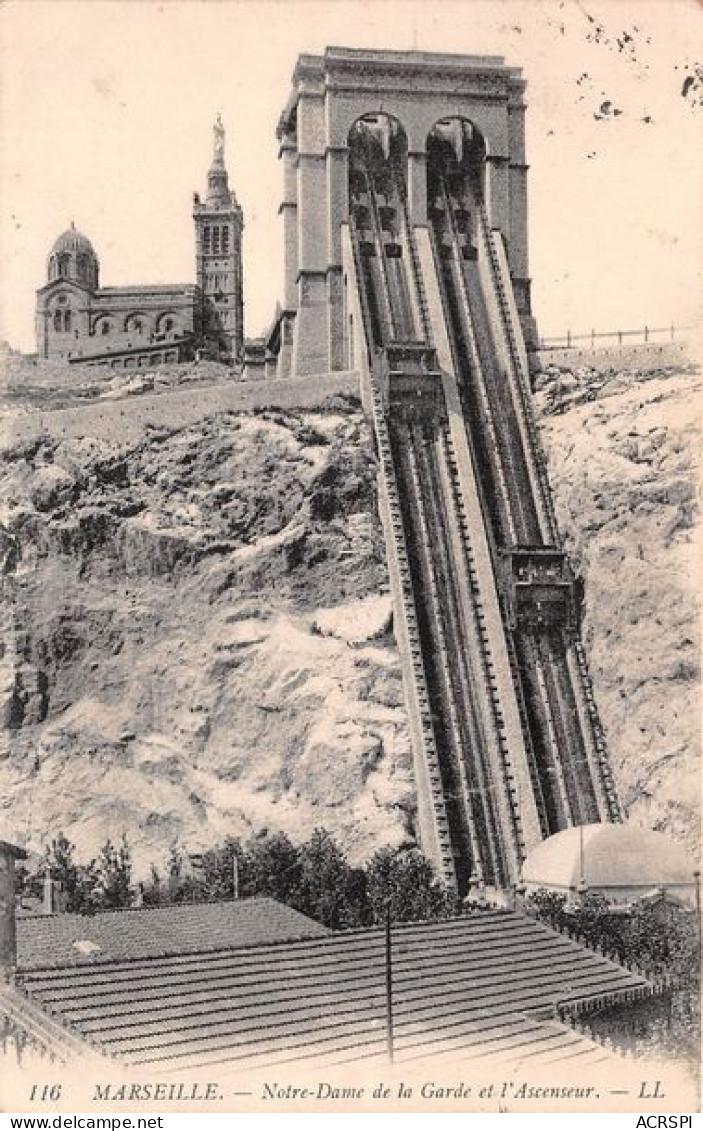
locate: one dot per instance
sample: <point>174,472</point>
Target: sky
<point>106,113</point>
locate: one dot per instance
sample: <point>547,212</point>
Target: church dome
<point>621,861</point>
<point>73,240</point>
<point>72,256</point>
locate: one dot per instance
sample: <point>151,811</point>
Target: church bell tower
<point>219,223</point>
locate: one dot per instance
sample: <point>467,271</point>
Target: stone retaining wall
<point>125,419</point>
<point>639,356</point>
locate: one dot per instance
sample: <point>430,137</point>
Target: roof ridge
<point>156,907</point>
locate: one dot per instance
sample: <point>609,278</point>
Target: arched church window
<point>216,241</point>
<point>206,239</point>
<point>134,324</point>
<point>63,262</point>
<point>168,325</point>
<point>58,321</point>
<point>53,271</point>
<point>105,327</point>
<point>225,240</point>
<point>67,320</point>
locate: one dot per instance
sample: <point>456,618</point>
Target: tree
<point>403,883</point>
<point>182,886</point>
<point>76,882</point>
<point>273,868</point>
<point>114,872</point>
<point>154,891</point>
<point>660,937</point>
<point>662,940</point>
<point>218,869</point>
<point>549,907</point>
<point>594,921</point>
<point>325,886</point>
<point>358,904</point>
<point>314,877</point>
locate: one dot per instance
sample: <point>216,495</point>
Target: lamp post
<point>389,987</point>
<point>697,894</point>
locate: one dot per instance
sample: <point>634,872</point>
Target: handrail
<point>497,717</point>
<point>598,736</point>
<point>416,270</point>
<point>477,860</point>
<point>475,363</point>
<point>521,380</point>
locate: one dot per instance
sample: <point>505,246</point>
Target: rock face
<point>622,454</point>
<point>200,639</point>
<point>198,636</point>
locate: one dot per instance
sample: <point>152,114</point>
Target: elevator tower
<point>405,221</point>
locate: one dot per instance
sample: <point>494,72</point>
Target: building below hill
<point>621,862</point>
<point>251,984</point>
<point>135,327</point>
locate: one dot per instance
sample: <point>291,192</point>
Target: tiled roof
<point>151,932</point>
<point>486,984</point>
<point>42,1029</point>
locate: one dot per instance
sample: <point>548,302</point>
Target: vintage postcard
<point>350,535</point>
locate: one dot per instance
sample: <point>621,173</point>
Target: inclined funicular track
<point>515,494</point>
<point>466,720</point>
<point>505,474</point>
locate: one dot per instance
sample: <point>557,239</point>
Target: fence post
<point>619,337</point>
<point>593,338</point>
<point>672,331</point>
<point>568,339</point>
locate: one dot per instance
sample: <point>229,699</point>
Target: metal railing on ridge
<point>645,335</point>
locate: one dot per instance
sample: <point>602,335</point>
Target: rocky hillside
<point>622,450</point>
<point>201,637</point>
<point>198,630</point>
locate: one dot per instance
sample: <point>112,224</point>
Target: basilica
<point>135,327</point>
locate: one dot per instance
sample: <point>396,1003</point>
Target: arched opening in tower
<point>379,143</point>
<point>378,163</point>
<point>456,179</point>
